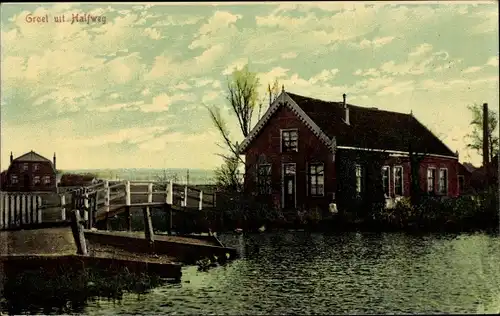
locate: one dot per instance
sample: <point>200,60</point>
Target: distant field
<point>196,176</point>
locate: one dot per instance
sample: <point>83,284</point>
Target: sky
<point>130,89</point>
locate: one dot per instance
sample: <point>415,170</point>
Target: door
<point>289,190</point>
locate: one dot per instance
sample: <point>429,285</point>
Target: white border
<point>388,180</point>
<point>427,179</point>
<point>394,153</point>
<point>283,183</point>
<point>402,180</point>
<point>295,108</point>
<point>281,139</point>
<point>447,181</point>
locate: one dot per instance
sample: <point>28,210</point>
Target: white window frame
<point>427,180</point>
<point>388,180</point>
<point>281,139</point>
<point>46,180</point>
<point>270,176</point>
<point>362,179</point>
<point>308,179</point>
<point>25,166</point>
<point>447,185</point>
<point>402,180</point>
<point>36,167</point>
<point>36,180</point>
<point>283,183</point>
<point>14,179</point>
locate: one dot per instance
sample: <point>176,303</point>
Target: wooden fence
<point>17,209</point>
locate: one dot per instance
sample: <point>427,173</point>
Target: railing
<point>17,209</point>
<point>103,199</point>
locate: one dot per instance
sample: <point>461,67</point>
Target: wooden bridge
<point>101,202</point>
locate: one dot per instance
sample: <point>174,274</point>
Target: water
<point>303,273</point>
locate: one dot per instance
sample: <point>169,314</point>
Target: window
<point>289,141</point>
<point>431,179</point>
<point>14,179</point>
<point>359,179</point>
<point>36,167</point>
<point>443,181</point>
<point>461,184</point>
<point>264,179</point>
<point>25,167</point>
<point>36,180</point>
<point>46,180</point>
<point>398,181</point>
<point>289,169</point>
<point>316,179</point>
<point>385,180</point>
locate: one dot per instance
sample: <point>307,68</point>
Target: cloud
<point>289,55</point>
<point>220,25</point>
<point>237,64</point>
<point>471,70</point>
<point>398,88</point>
<point>423,49</point>
<point>161,103</point>
<point>374,44</point>
<point>493,61</point>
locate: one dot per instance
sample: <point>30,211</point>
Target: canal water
<point>314,273</point>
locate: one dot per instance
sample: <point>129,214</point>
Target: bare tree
<point>476,136</point>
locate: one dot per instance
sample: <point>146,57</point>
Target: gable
<point>31,157</point>
<point>283,100</point>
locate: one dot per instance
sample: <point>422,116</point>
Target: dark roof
<point>371,128</point>
<point>32,157</point>
<point>69,179</point>
<point>463,169</point>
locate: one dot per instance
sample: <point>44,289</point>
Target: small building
<point>306,153</point>
<point>77,180</point>
<point>30,172</point>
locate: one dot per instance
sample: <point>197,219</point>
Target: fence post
<point>19,210</point>
<point>6,210</point>
<point>12,211</point>
<point>86,207</point>
<point>106,196</point>
<point>63,207</point>
<point>1,210</point>
<point>39,209</point>
<point>78,233</point>
<point>150,192</point>
<point>170,192</point>
<point>148,225</point>
<point>127,193</point>
<point>185,196</point>
<point>200,203</point>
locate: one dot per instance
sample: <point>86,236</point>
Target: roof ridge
<point>349,104</point>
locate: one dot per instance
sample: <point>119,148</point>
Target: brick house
<point>306,153</point>
<point>30,172</point>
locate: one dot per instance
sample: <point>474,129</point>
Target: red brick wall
<point>311,149</point>
<point>44,169</point>
<point>436,162</point>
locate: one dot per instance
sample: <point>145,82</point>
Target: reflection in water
<point>304,273</point>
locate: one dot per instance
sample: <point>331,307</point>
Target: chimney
<point>54,159</point>
<point>11,157</point>
<point>346,108</point>
<point>486,155</point>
